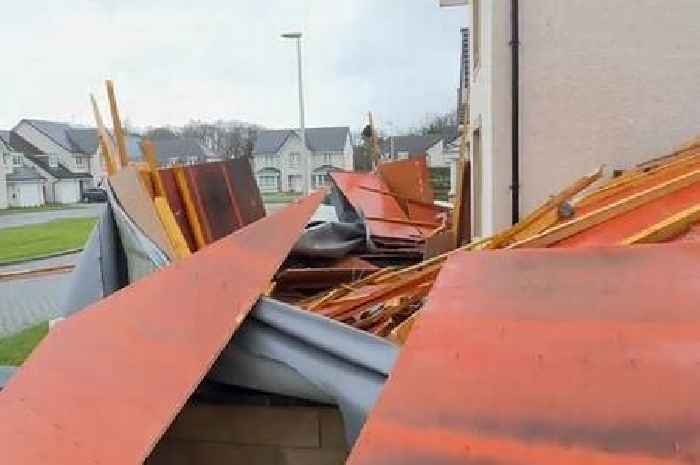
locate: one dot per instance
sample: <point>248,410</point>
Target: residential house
<point>283,163</point>
<point>595,83</point>
<point>181,150</point>
<point>403,147</point>
<point>21,185</point>
<point>61,154</point>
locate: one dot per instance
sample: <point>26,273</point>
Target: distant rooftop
<point>331,139</point>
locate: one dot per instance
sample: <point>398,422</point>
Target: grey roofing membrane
<point>317,139</point>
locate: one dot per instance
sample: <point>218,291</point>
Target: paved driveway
<point>91,210</point>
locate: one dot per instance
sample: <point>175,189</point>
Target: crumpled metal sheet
<point>284,350</point>
<point>101,268</point>
<point>548,356</point>
<point>107,382</point>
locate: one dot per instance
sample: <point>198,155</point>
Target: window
<point>79,162</point>
<point>53,161</point>
<point>268,182</point>
<point>17,160</point>
<point>294,160</point>
<point>173,161</point>
<point>476,32</point>
<point>327,158</point>
<point>320,180</point>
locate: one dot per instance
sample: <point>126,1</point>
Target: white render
<point>75,162</point>
<point>601,82</point>
<point>289,165</point>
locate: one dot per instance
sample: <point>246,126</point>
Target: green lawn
<point>43,208</point>
<point>38,240</point>
<point>14,350</point>
<point>279,197</point>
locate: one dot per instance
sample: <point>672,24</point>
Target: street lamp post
<point>302,125</point>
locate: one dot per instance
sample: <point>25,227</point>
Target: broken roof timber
<point>106,383</point>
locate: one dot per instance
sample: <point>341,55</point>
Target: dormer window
<point>17,160</point>
<point>53,161</point>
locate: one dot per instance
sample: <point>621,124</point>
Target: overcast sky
<point>178,60</point>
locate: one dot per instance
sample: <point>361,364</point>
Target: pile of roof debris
<point>537,356</point>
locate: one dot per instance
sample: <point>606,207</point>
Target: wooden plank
<point>177,239</point>
<point>190,207</point>
<point>405,199</point>
<point>461,216</point>
<point>106,146</point>
<point>400,334</point>
<point>667,229</point>
<point>638,178</point>
<point>427,224</point>
<point>117,124</point>
<point>546,215</point>
<point>149,154</point>
<point>568,229</point>
<point>138,204</point>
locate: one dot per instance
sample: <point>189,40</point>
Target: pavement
<point>27,302</point>
<point>89,210</point>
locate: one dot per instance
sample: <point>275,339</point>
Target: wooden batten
<point>117,125</point>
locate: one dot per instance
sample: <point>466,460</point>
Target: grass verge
<point>43,208</point>
<point>37,240</point>
<point>14,350</point>
<point>279,197</point>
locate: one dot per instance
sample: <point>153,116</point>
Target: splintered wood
<point>657,202</point>
<point>181,208</point>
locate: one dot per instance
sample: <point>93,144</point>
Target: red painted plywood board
<point>615,230</point>
<point>106,383</point>
<point>564,356</point>
<point>374,204</point>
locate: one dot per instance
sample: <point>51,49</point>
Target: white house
<point>20,184</point>
<point>402,147</point>
<point>283,163</point>
<point>61,154</point>
<point>594,82</point>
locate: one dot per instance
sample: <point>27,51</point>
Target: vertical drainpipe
<point>515,91</point>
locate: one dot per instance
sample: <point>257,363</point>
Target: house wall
<point>3,184</point>
<point>600,83</point>
<point>282,161</point>
<point>68,159</point>
<point>224,434</point>
<point>436,156</point>
<point>25,194</point>
<point>349,159</point>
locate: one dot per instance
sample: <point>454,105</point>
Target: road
<point>92,210</point>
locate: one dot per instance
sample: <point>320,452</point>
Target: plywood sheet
<point>138,204</point>
<point>568,356</point>
<point>105,384</point>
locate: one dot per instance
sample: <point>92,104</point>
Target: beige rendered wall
<point>609,82</point>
